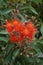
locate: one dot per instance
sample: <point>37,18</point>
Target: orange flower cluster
<point>19,30</point>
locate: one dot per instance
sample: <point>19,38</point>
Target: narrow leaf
<point>3,32</point>
<point>4,39</point>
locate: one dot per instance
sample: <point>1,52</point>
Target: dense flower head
<point>19,31</point>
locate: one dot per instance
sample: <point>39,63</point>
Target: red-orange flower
<point>17,25</point>
<point>8,25</point>
<point>21,38</point>
<point>32,30</point>
<point>30,26</point>
<point>25,31</point>
<point>13,38</point>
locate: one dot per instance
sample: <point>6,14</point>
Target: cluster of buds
<point>19,30</point>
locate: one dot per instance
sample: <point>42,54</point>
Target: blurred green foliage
<point>12,54</point>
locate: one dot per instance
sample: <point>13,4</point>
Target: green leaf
<point>4,39</point>
<point>15,54</point>
<point>40,55</point>
<point>3,32</point>
<point>35,47</point>
<point>9,47</point>
<point>7,58</point>
<point>41,29</point>
<point>21,16</point>
<point>23,1</point>
<point>30,8</point>
<point>7,11</point>
<point>18,63</point>
<point>37,1</point>
<point>33,10</point>
<point>41,62</point>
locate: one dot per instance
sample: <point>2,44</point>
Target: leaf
<point>18,63</point>
<point>15,54</point>
<point>40,55</point>
<point>33,10</point>
<point>8,11</point>
<point>21,16</point>
<point>23,1</point>
<point>30,8</point>
<point>5,11</point>
<point>4,39</point>
<point>3,32</point>
<point>1,53</point>
<point>7,58</point>
<point>9,47</point>
<point>41,29</point>
<point>37,1</point>
<point>15,1</point>
<point>35,47</point>
<point>9,53</point>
